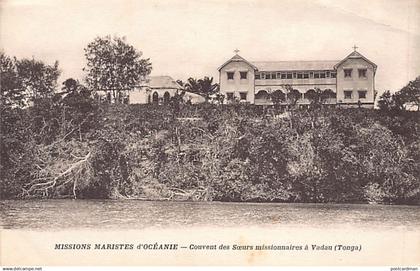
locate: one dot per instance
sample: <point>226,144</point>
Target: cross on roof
<point>355,47</point>
<point>236,51</point>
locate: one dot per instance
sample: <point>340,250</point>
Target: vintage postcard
<point>210,133</point>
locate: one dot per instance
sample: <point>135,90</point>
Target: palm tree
<point>204,87</point>
<point>207,87</point>
<point>192,85</point>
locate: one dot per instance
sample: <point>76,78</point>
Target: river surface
<point>133,214</point>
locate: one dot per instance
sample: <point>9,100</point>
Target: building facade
<point>350,80</point>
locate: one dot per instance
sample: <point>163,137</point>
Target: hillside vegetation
<point>75,148</point>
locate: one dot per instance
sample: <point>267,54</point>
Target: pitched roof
<point>162,82</point>
<point>356,55</point>
<point>237,58</point>
<point>295,65</point>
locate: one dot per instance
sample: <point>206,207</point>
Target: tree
<point>292,95</point>
<point>314,95</point>
<point>73,87</point>
<point>385,101</point>
<point>11,88</point>
<point>318,97</point>
<point>410,94</point>
<point>176,101</point>
<point>70,85</point>
<point>204,87</point>
<point>391,102</point>
<point>278,97</point>
<point>192,85</point>
<point>39,80</point>
<point>74,94</point>
<point>407,98</point>
<point>113,65</point>
<point>207,87</point>
<point>26,80</point>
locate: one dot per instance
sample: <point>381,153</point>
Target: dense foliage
<point>24,80</point>
<point>406,98</point>
<point>73,147</point>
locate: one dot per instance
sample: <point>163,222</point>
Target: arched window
<point>166,98</point>
<point>262,94</point>
<point>155,98</point>
<point>278,96</point>
<point>311,95</point>
<point>329,93</point>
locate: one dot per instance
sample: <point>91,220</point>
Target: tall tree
<point>24,80</point>
<point>410,94</point>
<point>10,85</point>
<point>39,80</point>
<point>113,65</point>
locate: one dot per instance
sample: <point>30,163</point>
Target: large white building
<point>352,79</point>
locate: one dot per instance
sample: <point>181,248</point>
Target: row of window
<point>295,75</point>
<point>242,96</point>
<point>285,75</point>
<point>243,75</point>
<point>348,94</point>
<point>298,75</point>
<point>348,73</point>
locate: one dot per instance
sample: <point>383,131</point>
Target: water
<point>132,214</point>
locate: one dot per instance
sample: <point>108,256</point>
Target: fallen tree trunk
<point>71,175</point>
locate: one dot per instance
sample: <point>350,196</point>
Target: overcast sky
<point>192,38</point>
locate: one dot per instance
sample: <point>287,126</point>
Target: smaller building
<point>153,90</point>
<point>160,90</point>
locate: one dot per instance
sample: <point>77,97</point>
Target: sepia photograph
<point>210,133</point>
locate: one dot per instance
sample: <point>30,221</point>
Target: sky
<point>193,38</point>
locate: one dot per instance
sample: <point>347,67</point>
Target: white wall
<point>237,85</point>
<point>355,83</point>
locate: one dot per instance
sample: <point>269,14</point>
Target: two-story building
<point>351,80</point>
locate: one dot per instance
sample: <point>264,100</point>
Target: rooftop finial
<point>355,47</point>
<point>236,51</point>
